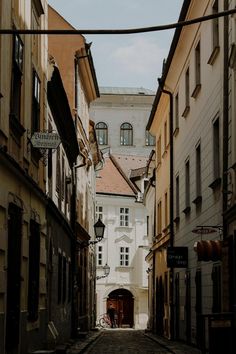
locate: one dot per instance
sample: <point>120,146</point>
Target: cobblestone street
<point>125,341</point>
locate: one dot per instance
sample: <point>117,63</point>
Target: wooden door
<point>13,278</point>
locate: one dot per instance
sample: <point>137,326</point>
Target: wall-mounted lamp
<point>99,229</point>
<point>106,270</point>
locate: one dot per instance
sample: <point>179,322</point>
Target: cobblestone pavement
<point>128,341</point>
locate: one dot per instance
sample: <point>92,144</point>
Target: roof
<point>132,162</point>
<point>125,91</point>
<point>138,172</point>
<point>111,180</point>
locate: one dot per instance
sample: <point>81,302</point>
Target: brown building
<point>73,56</point>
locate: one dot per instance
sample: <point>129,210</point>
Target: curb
<point>82,346</point>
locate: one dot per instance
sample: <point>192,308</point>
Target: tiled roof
<point>137,172</point>
<point>111,181</point>
<point>125,91</point>
<point>131,162</point>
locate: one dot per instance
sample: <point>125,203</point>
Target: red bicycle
<point>104,321</point>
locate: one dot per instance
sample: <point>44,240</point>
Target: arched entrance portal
<point>123,302</point>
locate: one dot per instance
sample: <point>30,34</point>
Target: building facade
<point>194,92</point>
<point>23,232</point>
<point>120,115</point>
<point>79,78</point>
<point>123,248</point>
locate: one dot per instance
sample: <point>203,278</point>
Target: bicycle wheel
<point>104,322</point>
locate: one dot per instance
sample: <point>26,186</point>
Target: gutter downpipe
<point>171,206</point>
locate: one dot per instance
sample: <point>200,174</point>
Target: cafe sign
<point>45,140</point>
<point>177,257</point>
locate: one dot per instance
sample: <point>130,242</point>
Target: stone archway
<point>123,302</point>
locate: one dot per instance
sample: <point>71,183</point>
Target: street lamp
<point>99,229</point>
<point>106,270</point>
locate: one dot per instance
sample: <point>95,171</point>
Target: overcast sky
<point>133,60</point>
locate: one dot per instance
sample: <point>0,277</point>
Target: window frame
<point>124,217</point>
<point>102,133</point>
<point>124,256</point>
<point>126,134</point>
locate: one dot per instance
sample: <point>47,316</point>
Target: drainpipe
<point>171,204</point>
<point>225,120</point>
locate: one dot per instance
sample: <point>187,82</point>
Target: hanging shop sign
<point>177,257</point>
<point>204,230</point>
<point>45,140</point>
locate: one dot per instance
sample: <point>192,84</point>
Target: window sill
<point>197,200</point>
<point>215,184</point>
<point>124,268</point>
<point>187,210</point>
<point>186,111</point>
<point>213,55</point>
<point>176,132</point>
<point>196,90</point>
<point>176,219</point>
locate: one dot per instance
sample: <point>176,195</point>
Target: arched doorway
<point>123,302</point>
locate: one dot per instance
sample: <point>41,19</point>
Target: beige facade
<point>194,86</point>
<point>23,294</point>
<point>73,56</point>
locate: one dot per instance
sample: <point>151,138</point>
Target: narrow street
<point>125,341</point>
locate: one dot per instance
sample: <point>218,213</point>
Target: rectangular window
<point>187,94</point>
<point>63,177</point>
<point>34,262</point>
<point>17,71</point>
<point>159,218</point>
<point>165,135</point>
<point>58,171</point>
<point>166,209</point>
<point>215,25</point>
<point>177,111</point>
<point>99,212</point>
<point>124,216</point>
<point>159,150</point>
<point>59,279</point>
<point>149,139</point>
<point>124,256</point>
<point>99,256</point>
<point>187,88</point>
<point>216,149</point>
<point>35,103</point>
<point>197,70</point>
<point>198,172</point>
<point>187,184</point>
<point>215,34</point>
<point>198,64</point>
<point>177,196</point>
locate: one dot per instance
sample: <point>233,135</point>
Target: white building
<point>121,115</point>
<point>123,248</point>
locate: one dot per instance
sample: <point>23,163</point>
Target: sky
<point>128,60</point>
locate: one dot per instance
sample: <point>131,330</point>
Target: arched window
<point>102,133</point>
<point>126,134</point>
<point>150,139</point>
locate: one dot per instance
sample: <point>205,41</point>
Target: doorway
<point>123,302</point>
<point>13,278</point>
